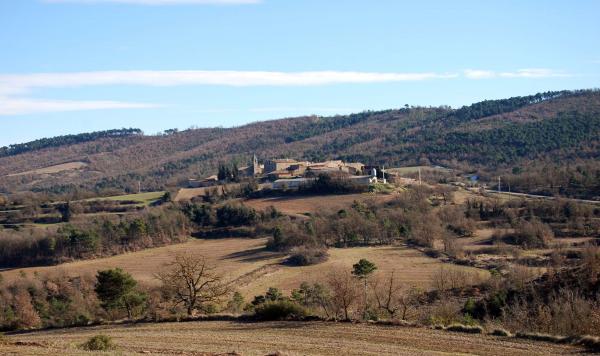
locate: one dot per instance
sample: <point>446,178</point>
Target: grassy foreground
<point>288,338</point>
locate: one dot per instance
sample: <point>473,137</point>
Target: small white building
<point>362,180</point>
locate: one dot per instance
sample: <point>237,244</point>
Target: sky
<point>71,66</point>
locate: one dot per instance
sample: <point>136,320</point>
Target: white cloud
<point>521,73</point>
<point>14,86</point>
<point>479,74</point>
<point>160,2</point>
<point>23,106</point>
<point>23,82</point>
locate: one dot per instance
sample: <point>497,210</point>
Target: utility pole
<point>499,184</point>
<point>419,175</point>
<point>139,187</point>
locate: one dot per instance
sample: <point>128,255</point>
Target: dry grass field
<point>287,338</point>
<point>71,166</point>
<point>253,268</point>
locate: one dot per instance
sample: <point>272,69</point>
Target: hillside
<point>545,143</point>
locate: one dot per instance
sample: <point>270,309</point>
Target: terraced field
<point>287,338</point>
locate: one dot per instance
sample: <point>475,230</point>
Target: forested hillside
<point>545,143</point>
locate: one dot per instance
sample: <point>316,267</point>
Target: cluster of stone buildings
<point>288,173</point>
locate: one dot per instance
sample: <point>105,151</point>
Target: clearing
<point>288,338</point>
<point>70,166</point>
<point>145,198</point>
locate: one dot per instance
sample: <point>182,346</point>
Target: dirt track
<point>288,338</point>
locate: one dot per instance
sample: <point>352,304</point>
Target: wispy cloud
<point>24,106</point>
<point>13,87</point>
<point>23,82</point>
<point>521,73</point>
<point>160,2</point>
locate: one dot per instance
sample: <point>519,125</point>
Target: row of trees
<point>409,217</point>
<point>56,141</point>
<point>102,236</point>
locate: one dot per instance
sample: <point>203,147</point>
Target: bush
<point>541,337</point>
<point>590,342</point>
<point>528,235</point>
<point>471,329</point>
<point>279,310</point>
<point>98,343</point>
<point>236,215</point>
<point>501,332</point>
<point>305,256</point>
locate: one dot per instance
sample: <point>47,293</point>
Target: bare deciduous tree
<point>192,282</point>
<point>344,292</point>
<point>393,299</point>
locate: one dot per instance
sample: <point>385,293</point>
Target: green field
<point>145,198</point>
<point>415,169</point>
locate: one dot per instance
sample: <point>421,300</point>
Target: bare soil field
<point>254,269</point>
<point>53,169</point>
<point>310,204</point>
<point>287,338</point>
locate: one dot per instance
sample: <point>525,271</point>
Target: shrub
<point>534,234</point>
<point>590,342</point>
<point>471,329</point>
<point>431,252</point>
<point>501,332</point>
<point>98,343</point>
<point>305,256</point>
<point>236,215</point>
<point>279,310</point>
<point>541,337</point>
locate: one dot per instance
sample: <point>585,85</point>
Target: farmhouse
<point>273,165</point>
<point>286,173</point>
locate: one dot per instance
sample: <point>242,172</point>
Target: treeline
<point>494,107</point>
<point>515,141</point>
<point>578,179</point>
<point>321,125</point>
<point>39,144</point>
<point>103,236</point>
<point>410,217</point>
<point>558,218</point>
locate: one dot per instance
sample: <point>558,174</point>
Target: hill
<point>545,143</point>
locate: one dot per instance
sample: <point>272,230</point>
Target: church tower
<point>255,166</point>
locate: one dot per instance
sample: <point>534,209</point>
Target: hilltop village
<point>286,173</point>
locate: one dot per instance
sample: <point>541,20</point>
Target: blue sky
<point>69,66</point>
